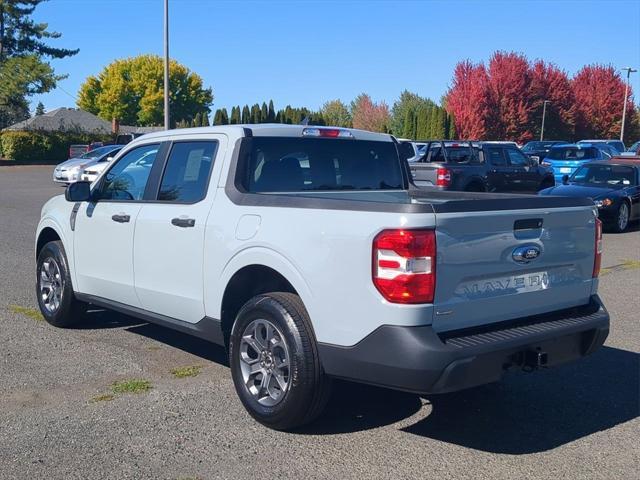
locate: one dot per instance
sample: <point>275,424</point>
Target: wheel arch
<point>48,231</point>
<point>476,180</point>
<point>253,272</point>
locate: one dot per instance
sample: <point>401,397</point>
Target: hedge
<point>39,146</point>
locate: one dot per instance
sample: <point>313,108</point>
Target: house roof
<point>74,119</point>
<point>64,119</point>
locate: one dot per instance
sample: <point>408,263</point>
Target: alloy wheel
<point>265,362</point>
<point>623,216</point>
<point>51,285</point>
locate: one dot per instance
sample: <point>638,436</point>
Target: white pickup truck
<point>309,253</point>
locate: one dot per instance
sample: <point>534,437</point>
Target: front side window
<point>289,164</point>
<point>186,175</point>
<point>516,159</point>
<point>496,156</point>
<point>127,179</point>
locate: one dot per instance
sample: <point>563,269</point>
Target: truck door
<point>104,228</point>
<point>525,178</point>
<point>498,171</point>
<point>168,252</point>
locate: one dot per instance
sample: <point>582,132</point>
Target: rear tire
<point>54,290</point>
<point>275,364</point>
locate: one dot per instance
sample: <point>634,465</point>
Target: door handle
<point>121,218</point>
<point>183,222</point>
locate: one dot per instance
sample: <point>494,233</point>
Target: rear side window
<point>289,164</point>
<point>186,175</point>
<point>496,156</point>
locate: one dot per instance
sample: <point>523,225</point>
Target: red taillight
<point>404,264</point>
<point>597,249</point>
<point>443,177</point>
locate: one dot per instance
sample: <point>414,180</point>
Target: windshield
<point>288,164</point>
<point>572,153</point>
<point>98,152</point>
<point>604,175</point>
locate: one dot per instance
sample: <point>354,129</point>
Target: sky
<point>304,53</point>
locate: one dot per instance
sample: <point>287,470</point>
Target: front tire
<point>621,222</point>
<point>275,364</point>
<point>54,290</point>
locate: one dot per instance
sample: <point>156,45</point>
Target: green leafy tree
<point>131,90</point>
<point>404,110</point>
<point>40,109</point>
<point>336,113</point>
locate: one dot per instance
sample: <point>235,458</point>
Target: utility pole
<point>544,114</point>
<point>166,65</point>
<point>626,94</point>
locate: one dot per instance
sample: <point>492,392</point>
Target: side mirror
<point>78,192</point>
<point>565,179</point>
<point>535,159</point>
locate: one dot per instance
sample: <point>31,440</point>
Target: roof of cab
<point>264,130</point>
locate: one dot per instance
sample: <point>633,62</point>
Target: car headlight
<point>605,202</point>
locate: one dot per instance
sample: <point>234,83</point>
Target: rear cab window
<point>290,164</point>
<point>186,174</point>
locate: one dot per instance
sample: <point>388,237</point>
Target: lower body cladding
<point>420,360</point>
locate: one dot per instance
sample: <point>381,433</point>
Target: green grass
<point>190,371</point>
<point>106,397</point>
<point>135,385</point>
<point>32,313</point>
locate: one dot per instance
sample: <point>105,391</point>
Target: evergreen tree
<point>271,114</point>
<point>235,116</point>
<point>40,109</point>
<point>264,113</point>
<point>217,117</point>
<point>197,121</point>
<point>205,119</point>
<point>224,117</point>
<point>255,113</point>
<point>246,114</point>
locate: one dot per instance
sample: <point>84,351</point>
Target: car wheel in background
<point>275,364</point>
<point>622,218</point>
<point>54,290</point>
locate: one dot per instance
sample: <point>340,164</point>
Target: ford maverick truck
<point>309,254</point>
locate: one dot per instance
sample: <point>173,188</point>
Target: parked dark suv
<point>480,167</point>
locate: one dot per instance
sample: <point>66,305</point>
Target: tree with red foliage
<point>599,96</point>
<point>368,115</point>
<point>548,82</point>
<point>511,103</point>
<point>468,100</point>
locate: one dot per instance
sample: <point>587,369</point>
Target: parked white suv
<point>309,254</point>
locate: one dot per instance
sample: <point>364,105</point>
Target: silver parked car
<point>71,170</point>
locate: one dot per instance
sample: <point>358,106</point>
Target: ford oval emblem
<point>526,254</point>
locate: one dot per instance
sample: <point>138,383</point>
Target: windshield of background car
<point>572,153</point>
<point>531,146</point>
<point>605,175</point>
<point>287,164</point>
<point>97,153</point>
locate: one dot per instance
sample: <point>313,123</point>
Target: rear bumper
<point>417,359</point>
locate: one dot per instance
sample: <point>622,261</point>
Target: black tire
<point>619,225</point>
<point>69,311</point>
<point>308,387</point>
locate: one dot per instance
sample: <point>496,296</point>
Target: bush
<point>40,146</point>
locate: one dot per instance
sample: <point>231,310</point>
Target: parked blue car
<point>565,159</point>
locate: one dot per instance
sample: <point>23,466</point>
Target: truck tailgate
<point>499,265</point>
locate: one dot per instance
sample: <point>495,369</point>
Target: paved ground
<point>578,421</point>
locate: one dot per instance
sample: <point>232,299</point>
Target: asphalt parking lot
<point>60,416</point>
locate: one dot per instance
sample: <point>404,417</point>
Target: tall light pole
<point>544,114</point>
<point>166,65</point>
<point>626,93</point>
